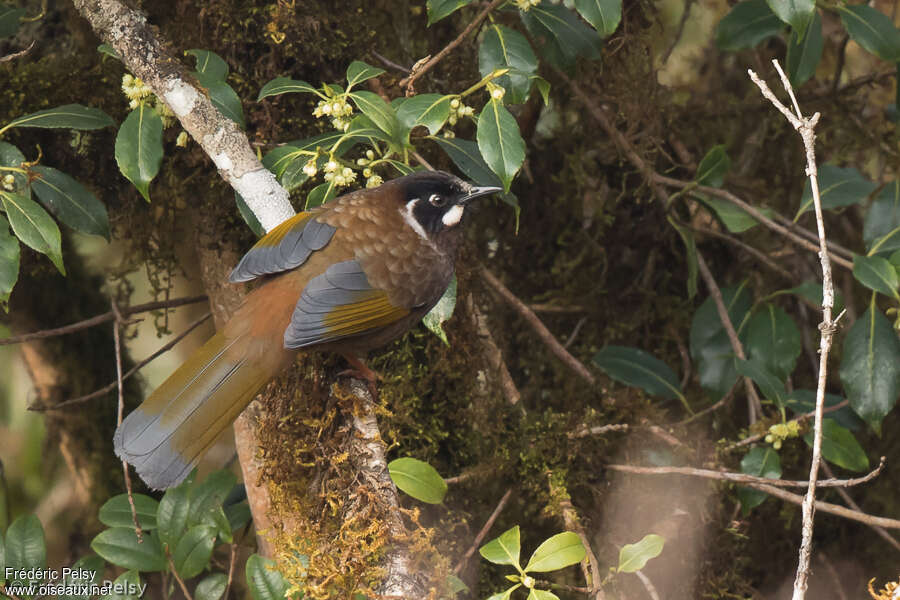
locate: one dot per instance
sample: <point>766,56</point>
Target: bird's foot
<point>361,371</point>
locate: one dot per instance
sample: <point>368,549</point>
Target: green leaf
<point>505,595</point>
<point>876,273</point>
<point>713,167</point>
<point>209,64</point>
<point>130,584</point>
<point>761,461</point>
<point>223,97</point>
<point>837,187</point>
<point>872,30</point>
<point>10,17</point>
<point>428,110</point>
<point>604,15</point>
<point>746,25</point>
<point>804,52</point>
<point>771,387</point>
<point>438,9</point>
<point>709,345</point>
<point>690,246</point>
<point>248,216</point>
<point>25,545</point>
<point>375,108</point>
<point>70,116</point>
<point>85,571</point>
<point>557,552</point>
<point>193,550</point>
<point>208,496</point>
<point>536,594</point>
<point>212,587</point>
<point>116,512</point>
<point>320,194</point>
<point>10,156</point>
<point>500,142</point>
<point>733,217</point>
<point>71,202</point>
<point>172,514</point>
<point>358,71</point>
<point>9,270</point>
<point>812,291</point>
<point>772,338</point>
<point>543,86</point>
<point>139,148</point>
<point>504,549</point>
<point>840,447</point>
<point>456,585</point>
<point>34,227</point>
<point>870,366</point>
<point>465,155</point>
<point>264,580</point>
<point>442,312</point>
<point>796,13</point>
<point>560,35</point>
<point>883,220</point>
<point>108,50</point>
<point>804,401</point>
<point>418,479</point>
<point>238,515</point>
<point>501,48</point>
<point>635,367</point>
<point>120,547</point>
<point>285,85</point>
<point>633,557</point>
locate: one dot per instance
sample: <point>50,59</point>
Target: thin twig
<point>539,327</point>
<point>18,54</point>
<point>420,69</point>
<point>178,578</point>
<point>231,562</point>
<point>755,405</point>
<point>100,319</point>
<point>678,32</point>
<point>585,431</point>
<point>117,325</point>
<point>590,566</point>
<point>743,478</point>
<point>800,419</point>
<point>389,63</point>
<point>761,256</point>
<point>648,585</point>
<point>881,531</point>
<point>108,388</point>
<point>484,531</point>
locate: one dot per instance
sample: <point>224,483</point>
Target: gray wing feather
<point>293,250</point>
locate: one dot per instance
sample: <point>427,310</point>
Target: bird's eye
<point>437,200</point>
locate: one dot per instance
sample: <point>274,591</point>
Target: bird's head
<point>435,201</point>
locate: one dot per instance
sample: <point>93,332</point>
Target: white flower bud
<point>497,93</point>
<point>370,155</point>
<point>326,108</point>
<point>454,104</point>
<point>182,140</point>
<point>330,166</point>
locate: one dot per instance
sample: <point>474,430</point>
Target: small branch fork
<point>806,128</point>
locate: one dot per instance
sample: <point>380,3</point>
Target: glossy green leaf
<point>10,156</point>
<point>33,226</point>
<point>690,246</point>
<point>71,202</point>
<point>378,111</point>
<point>773,339</point>
<point>172,514</point>
<point>882,223</point>
<point>502,47</point>
<point>871,29</point>
<point>130,582</point>
<point>223,97</point>
<point>429,110</point>
<point>442,312</point>
<point>139,148</point>
<point>536,594</point>
<point>285,85</point>
<point>633,557</point>
<point>505,595</point>
<point>25,545</point>
<point>9,269</point>
<point>876,273</point>
<point>500,142</point>
<point>635,367</point>
<point>10,18</point>
<point>713,167</point>
<point>837,187</point>
<point>771,387</point>
<point>804,401</point>
<point>320,194</point>
<point>418,479</point>
<point>238,515</point>
<point>358,71</point>
<point>796,13</point>
<point>209,63</point>
<point>69,116</point>
<point>812,291</point>
<point>735,219</point>
<point>116,512</point>
<point>503,549</point>
<point>465,155</point>
<point>560,35</point>
<point>208,496</point>
<point>193,550</point>
<point>121,547</point>
<point>870,366</point>
<point>840,447</point>
<point>556,552</point>
<point>264,580</point>
<point>438,9</point>
<point>762,461</point>
<point>107,50</point>
<point>248,216</point>
<point>709,345</point>
<point>212,587</point>
<point>804,53</point>
<point>604,15</point>
<point>746,25</point>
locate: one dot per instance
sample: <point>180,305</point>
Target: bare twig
<point>100,319</point>
<point>108,388</point>
<point>494,355</point>
<point>754,404</point>
<point>806,128</point>
<point>420,69</point>
<point>539,327</point>
<point>852,504</point>
<point>120,413</point>
<point>678,32</point>
<point>484,531</point>
<point>232,560</point>
<point>805,416</point>
<point>19,54</point>
<point>648,585</point>
<point>598,430</point>
<point>743,478</point>
<point>389,63</point>
<point>178,578</point>
<point>761,256</point>
<point>590,566</point>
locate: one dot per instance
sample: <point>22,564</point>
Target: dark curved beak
<point>477,192</point>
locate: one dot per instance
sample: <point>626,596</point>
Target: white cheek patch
<point>407,212</point>
<point>453,215</point>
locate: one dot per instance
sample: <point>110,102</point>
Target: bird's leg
<point>360,370</point>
